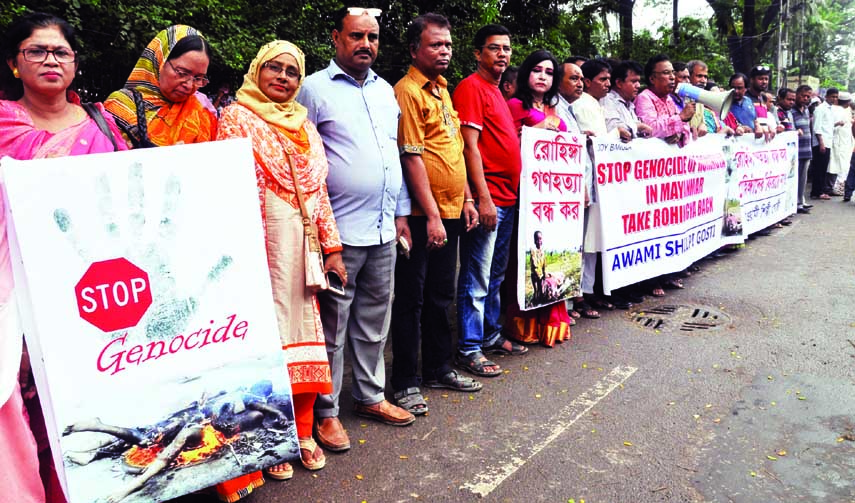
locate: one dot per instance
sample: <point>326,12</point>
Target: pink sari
<point>19,464</point>
<point>546,324</point>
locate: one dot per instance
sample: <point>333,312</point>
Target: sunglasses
<point>361,11</point>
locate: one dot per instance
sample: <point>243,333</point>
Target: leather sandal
<point>412,401</point>
<point>312,462</point>
<point>504,346</point>
<point>477,364</point>
<point>454,381</point>
<point>585,310</point>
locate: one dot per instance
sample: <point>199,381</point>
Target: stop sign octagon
<point>113,294</point>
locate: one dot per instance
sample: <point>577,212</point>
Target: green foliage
<point>114,32</point>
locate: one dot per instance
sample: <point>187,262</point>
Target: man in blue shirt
<point>356,114</point>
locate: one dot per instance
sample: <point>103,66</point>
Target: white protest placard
<point>767,179</point>
<point>146,300</point>
<point>552,194</point>
<point>732,231</point>
<point>660,205</point>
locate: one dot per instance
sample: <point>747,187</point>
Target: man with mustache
<point>356,114</point>
<point>655,105</point>
<point>431,148</point>
<point>491,149</point>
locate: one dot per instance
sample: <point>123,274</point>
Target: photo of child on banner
<point>158,374</point>
<point>551,217</point>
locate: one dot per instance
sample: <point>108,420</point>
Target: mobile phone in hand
<point>335,284</point>
<point>403,247</point>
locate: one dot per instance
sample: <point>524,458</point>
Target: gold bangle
<point>468,201</point>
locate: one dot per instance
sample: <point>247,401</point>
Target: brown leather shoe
<point>385,412</point>
<point>330,434</point>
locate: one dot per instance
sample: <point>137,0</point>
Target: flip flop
<point>282,471</point>
<point>309,444</point>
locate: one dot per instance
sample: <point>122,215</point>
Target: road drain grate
<point>680,318</point>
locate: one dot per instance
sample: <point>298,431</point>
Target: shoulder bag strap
<point>142,123</point>
<point>307,222</point>
<point>96,115</point>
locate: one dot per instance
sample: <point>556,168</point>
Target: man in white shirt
<point>823,131</point>
<point>569,90</point>
<point>618,103</point>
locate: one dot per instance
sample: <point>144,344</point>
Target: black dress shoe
<point>803,210</point>
<point>807,206</point>
<point>619,302</point>
<point>635,298</point>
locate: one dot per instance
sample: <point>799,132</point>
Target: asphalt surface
<point>760,408</point>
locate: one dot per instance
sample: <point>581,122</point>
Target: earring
<point>15,73</point>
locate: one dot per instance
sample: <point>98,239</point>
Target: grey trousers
<point>802,180</point>
<point>359,321</point>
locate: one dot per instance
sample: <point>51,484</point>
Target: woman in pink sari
<point>39,117</point>
<point>533,105</point>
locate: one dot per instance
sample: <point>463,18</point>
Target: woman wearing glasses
<point>40,117</point>
<point>158,105</point>
<point>291,167</point>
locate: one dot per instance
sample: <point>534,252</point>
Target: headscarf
<point>289,115</point>
<point>185,122</point>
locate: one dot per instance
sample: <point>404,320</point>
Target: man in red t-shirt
<point>492,152</point>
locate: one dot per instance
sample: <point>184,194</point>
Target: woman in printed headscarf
<point>289,157</point>
<point>158,105</point>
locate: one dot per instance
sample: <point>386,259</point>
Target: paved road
<point>761,409</point>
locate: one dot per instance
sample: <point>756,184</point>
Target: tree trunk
<point>625,16</point>
<point>675,23</point>
<point>749,34</point>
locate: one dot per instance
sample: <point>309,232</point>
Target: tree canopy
<point>740,33</point>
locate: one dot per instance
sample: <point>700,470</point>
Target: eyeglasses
<point>61,55</point>
<point>498,48</point>
<point>278,69</point>
<point>361,11</point>
<point>185,76</point>
<point>761,68</point>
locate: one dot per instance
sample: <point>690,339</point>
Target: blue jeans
<point>483,261</point>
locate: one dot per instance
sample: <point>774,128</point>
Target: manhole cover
<point>680,318</point>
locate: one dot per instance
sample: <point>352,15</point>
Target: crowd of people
<point>396,185</point>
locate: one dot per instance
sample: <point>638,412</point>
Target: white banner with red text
<point>146,302</point>
<point>661,206</point>
<point>549,246</point>
<point>766,179</point>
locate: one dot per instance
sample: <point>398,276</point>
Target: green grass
<point>568,262</point>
